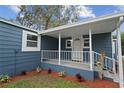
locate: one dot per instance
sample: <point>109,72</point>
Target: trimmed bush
<point>79,77</point>
<point>4,78</point>
<point>49,71</point>
<point>62,74</point>
<point>23,72</point>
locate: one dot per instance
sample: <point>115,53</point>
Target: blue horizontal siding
<point>8,29</point>
<point>63,47</point>
<point>102,42</point>
<point>8,32</point>
<point>11,41</point>
<point>49,43</point>
<point>10,69</point>
<point>12,27</point>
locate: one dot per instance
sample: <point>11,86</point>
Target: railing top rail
<point>106,57</point>
<point>63,51</point>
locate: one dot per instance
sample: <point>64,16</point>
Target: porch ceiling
<point>97,25</point>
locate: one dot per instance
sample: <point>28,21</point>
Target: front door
<point>77,47</point>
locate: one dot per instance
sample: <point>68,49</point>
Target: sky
<point>89,11</point>
<point>10,12</point>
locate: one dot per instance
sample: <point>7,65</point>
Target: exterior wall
<point>99,42</point>
<point>88,75</point>
<point>63,45</point>
<point>49,43</point>
<point>12,59</point>
<point>102,42</point>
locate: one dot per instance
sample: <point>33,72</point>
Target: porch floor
<point>72,64</point>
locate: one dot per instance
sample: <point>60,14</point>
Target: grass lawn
<point>42,81</point>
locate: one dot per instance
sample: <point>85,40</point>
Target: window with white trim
<point>30,41</point>
<point>69,43</point>
<point>86,41</point>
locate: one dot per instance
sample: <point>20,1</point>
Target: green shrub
<point>62,74</point>
<point>4,78</point>
<point>79,77</point>
<point>49,71</point>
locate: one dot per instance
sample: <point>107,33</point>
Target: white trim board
<point>109,16</point>
<point>24,42</point>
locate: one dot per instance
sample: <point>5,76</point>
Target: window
<point>69,43</point>
<point>86,41</point>
<point>30,41</point>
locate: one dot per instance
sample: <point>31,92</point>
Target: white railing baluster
<point>82,57</point>
<point>65,56</point>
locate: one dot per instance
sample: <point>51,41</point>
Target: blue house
<point>73,48</point>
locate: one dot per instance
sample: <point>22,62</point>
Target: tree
<point>45,17</point>
<point>122,42</point>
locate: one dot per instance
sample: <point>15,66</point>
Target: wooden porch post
<point>90,44</point>
<point>121,78</point>
<point>59,47</point>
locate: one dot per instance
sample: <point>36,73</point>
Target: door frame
<point>81,42</point>
<point>75,58</point>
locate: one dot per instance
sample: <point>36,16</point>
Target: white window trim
<point>67,44</point>
<point>24,42</point>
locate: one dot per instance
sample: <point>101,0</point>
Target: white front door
<point>77,47</point>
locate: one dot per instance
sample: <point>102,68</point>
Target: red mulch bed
<point>93,84</point>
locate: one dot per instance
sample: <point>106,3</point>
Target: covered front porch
<point>75,54</point>
<point>79,45</point>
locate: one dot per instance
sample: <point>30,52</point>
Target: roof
<point>111,21</point>
<point>101,24</point>
<point>17,25</point>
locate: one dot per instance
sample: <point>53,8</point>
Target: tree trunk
<point>46,25</point>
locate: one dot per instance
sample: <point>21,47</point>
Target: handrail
<point>105,56</point>
<point>108,63</point>
<point>79,51</point>
<point>64,51</point>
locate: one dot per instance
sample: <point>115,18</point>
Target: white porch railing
<point>82,57</point>
<point>109,64</point>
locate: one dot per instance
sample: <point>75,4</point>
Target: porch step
<point>116,78</point>
<point>108,74</point>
